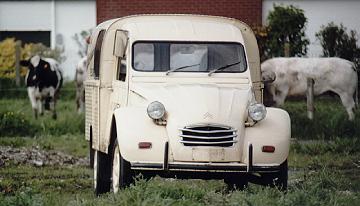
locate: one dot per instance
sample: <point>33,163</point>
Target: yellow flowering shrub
<point>7,56</point>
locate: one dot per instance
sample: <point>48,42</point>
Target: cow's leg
<point>349,104</point>
<point>39,101</point>
<point>280,95</point>
<point>40,106</point>
<point>32,97</point>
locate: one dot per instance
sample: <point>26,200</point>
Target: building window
<point>28,36</point>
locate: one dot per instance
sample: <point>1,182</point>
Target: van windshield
<point>206,57</point>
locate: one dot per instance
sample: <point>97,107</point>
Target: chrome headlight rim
<point>257,112</point>
<point>156,110</point>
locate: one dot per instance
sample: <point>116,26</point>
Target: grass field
<point>324,164</point>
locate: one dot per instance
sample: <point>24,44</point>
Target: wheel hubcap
<point>116,170</point>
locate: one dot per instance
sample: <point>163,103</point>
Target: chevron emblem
<point>208,115</point>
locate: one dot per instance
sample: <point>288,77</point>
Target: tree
<point>335,41</point>
<point>286,24</point>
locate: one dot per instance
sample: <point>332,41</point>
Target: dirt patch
<point>38,157</point>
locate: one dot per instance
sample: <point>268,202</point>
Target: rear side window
<point>97,53</point>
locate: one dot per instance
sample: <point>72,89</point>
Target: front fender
<point>133,126</point>
<point>274,130</point>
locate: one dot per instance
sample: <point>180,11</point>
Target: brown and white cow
<point>43,81</point>
<point>290,75</point>
<point>80,77</point>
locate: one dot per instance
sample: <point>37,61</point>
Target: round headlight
<point>156,110</point>
<point>257,112</point>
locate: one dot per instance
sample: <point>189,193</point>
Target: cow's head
<point>37,68</point>
<point>268,76</point>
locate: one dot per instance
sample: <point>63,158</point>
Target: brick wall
<point>249,11</point>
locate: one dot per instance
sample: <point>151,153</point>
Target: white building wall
<point>72,17</point>
<point>321,12</point>
<point>63,18</point>
<point>25,15</point>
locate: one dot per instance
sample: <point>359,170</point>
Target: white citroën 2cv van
<point>181,95</point>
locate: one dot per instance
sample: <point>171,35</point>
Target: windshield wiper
<point>179,68</point>
<point>223,67</point>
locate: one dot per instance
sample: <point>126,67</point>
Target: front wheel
<point>278,179</point>
<point>236,182</point>
<point>122,175</point>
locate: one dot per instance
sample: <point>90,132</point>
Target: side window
<point>121,71</point>
<point>144,56</point>
<point>97,54</point>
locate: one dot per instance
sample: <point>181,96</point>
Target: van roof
<point>177,27</point>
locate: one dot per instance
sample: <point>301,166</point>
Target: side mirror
<point>121,39</point>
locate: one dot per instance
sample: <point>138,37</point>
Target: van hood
<point>190,104</point>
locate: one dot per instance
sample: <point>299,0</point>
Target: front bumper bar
<point>206,167</point>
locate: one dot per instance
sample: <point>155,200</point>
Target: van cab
<point>181,95</point>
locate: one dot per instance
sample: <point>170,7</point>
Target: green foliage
<point>25,197</point>
<point>261,34</point>
<point>32,49</point>
<point>286,24</point>
<point>336,42</point>
<point>14,124</point>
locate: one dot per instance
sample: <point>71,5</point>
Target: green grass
<point>9,90</point>
<point>330,120</point>
<point>16,119</point>
<point>323,176</point>
<point>324,164</point>
<point>27,185</point>
<point>73,144</point>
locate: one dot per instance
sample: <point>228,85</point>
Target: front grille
<point>208,135</point>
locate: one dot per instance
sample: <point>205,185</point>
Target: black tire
<point>91,153</point>
<point>125,176</point>
<point>278,179</point>
<point>236,182</point>
<point>102,173</point>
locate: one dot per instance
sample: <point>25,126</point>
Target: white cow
<point>329,74</point>
<point>80,77</point>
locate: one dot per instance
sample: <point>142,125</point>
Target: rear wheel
<point>102,170</point>
<point>122,175</point>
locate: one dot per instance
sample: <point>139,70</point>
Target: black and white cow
<point>43,81</point>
